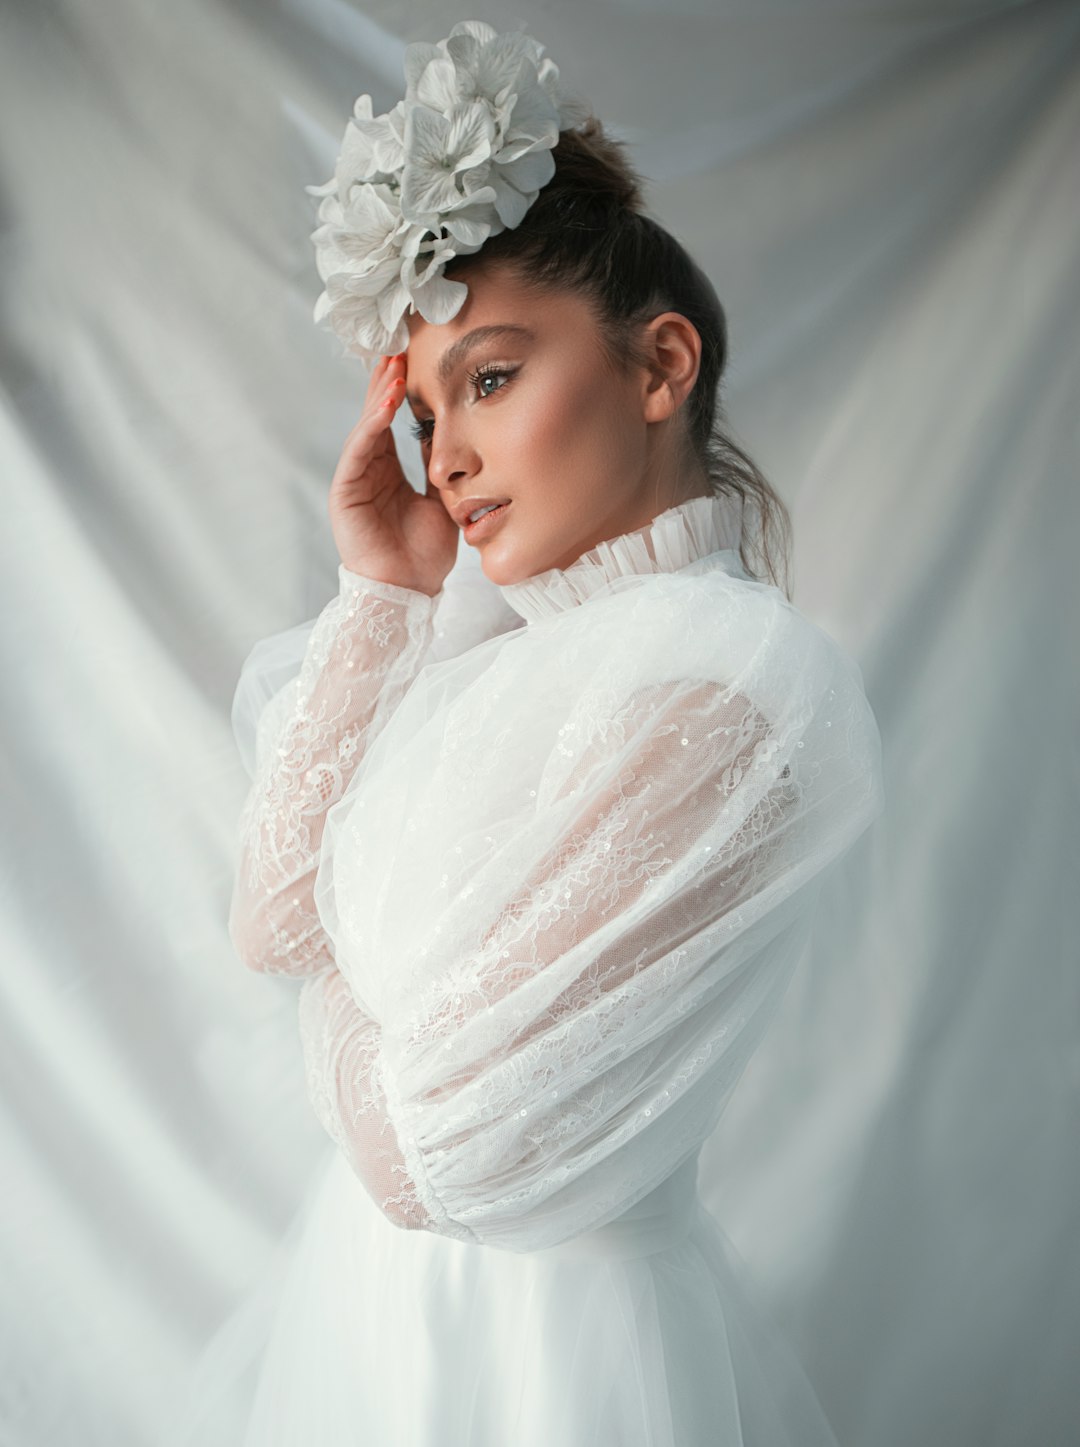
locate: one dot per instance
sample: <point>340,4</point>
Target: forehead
<point>495,298</point>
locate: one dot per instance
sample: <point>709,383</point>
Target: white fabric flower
<point>384,135</point>
<point>440,152</point>
<point>360,235</point>
<point>462,157</point>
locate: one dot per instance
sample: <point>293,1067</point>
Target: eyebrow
<point>454,354</point>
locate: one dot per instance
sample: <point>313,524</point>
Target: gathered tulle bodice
<point>699,528</point>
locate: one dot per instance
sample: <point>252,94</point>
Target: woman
<point>544,892</point>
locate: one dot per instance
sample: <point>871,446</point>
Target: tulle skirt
<point>366,1335</point>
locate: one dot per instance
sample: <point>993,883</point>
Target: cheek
<point>569,421</point>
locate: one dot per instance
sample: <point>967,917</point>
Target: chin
<point>500,573</point>
<point>511,569</point>
<point>510,564</point>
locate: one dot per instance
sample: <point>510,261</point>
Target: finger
<point>383,390</point>
<point>383,398</point>
<point>375,420</point>
<point>378,373</point>
<point>393,385</point>
<point>395,392</point>
<point>394,373</point>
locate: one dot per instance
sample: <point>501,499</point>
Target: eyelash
<point>490,369</point>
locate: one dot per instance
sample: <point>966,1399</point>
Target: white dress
<point>542,896</point>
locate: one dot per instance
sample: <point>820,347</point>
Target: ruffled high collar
<point>698,528</point>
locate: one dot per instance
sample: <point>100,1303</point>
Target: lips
<point>463,510</point>
<point>486,523</point>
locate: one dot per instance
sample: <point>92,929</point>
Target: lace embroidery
<point>363,653</point>
<point>609,876</point>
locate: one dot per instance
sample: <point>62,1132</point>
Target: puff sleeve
<point>518,1048</point>
<point>302,738</point>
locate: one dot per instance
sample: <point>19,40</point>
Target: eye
<point>490,371</point>
<point>487,373</point>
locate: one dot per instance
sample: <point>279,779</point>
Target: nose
<point>452,457</point>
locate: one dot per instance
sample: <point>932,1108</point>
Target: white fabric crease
<point>889,216</point>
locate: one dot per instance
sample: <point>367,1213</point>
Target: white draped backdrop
<point>886,196</point>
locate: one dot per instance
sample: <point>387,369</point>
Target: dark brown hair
<point>587,231</point>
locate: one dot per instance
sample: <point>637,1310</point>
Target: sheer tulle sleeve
<point>309,733</point>
<point>540,1013</point>
<point>470,610</point>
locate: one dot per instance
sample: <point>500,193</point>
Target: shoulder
<point>711,644</point>
<point>660,635</point>
<point>689,624</point>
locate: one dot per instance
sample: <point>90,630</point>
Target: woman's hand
<point>384,529</point>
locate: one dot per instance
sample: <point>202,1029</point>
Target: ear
<point>673,346</point>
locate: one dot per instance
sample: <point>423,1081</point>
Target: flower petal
<point>439,300</point>
<point>509,203</point>
<point>528,173</point>
<point>425,135</point>
<point>533,118</point>
<point>470,136</point>
<point>418,55</point>
<point>478,28</point>
<point>391,304</point>
<point>426,193</point>
<point>437,85</point>
<point>470,230</point>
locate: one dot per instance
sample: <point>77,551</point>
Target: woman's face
<point>514,403</point>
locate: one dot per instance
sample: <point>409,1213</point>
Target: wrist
<point>394,590</point>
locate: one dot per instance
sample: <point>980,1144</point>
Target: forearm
<point>364,651</point>
<point>341,1046</point>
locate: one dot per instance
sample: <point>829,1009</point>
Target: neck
<point>648,503</point>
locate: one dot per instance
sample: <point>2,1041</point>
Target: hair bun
<point>589,160</point>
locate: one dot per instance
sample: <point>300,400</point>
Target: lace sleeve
<point>362,654</point>
<point>341,1044</point>
<point>628,944</point>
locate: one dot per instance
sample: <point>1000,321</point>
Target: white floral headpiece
<point>461,158</point>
